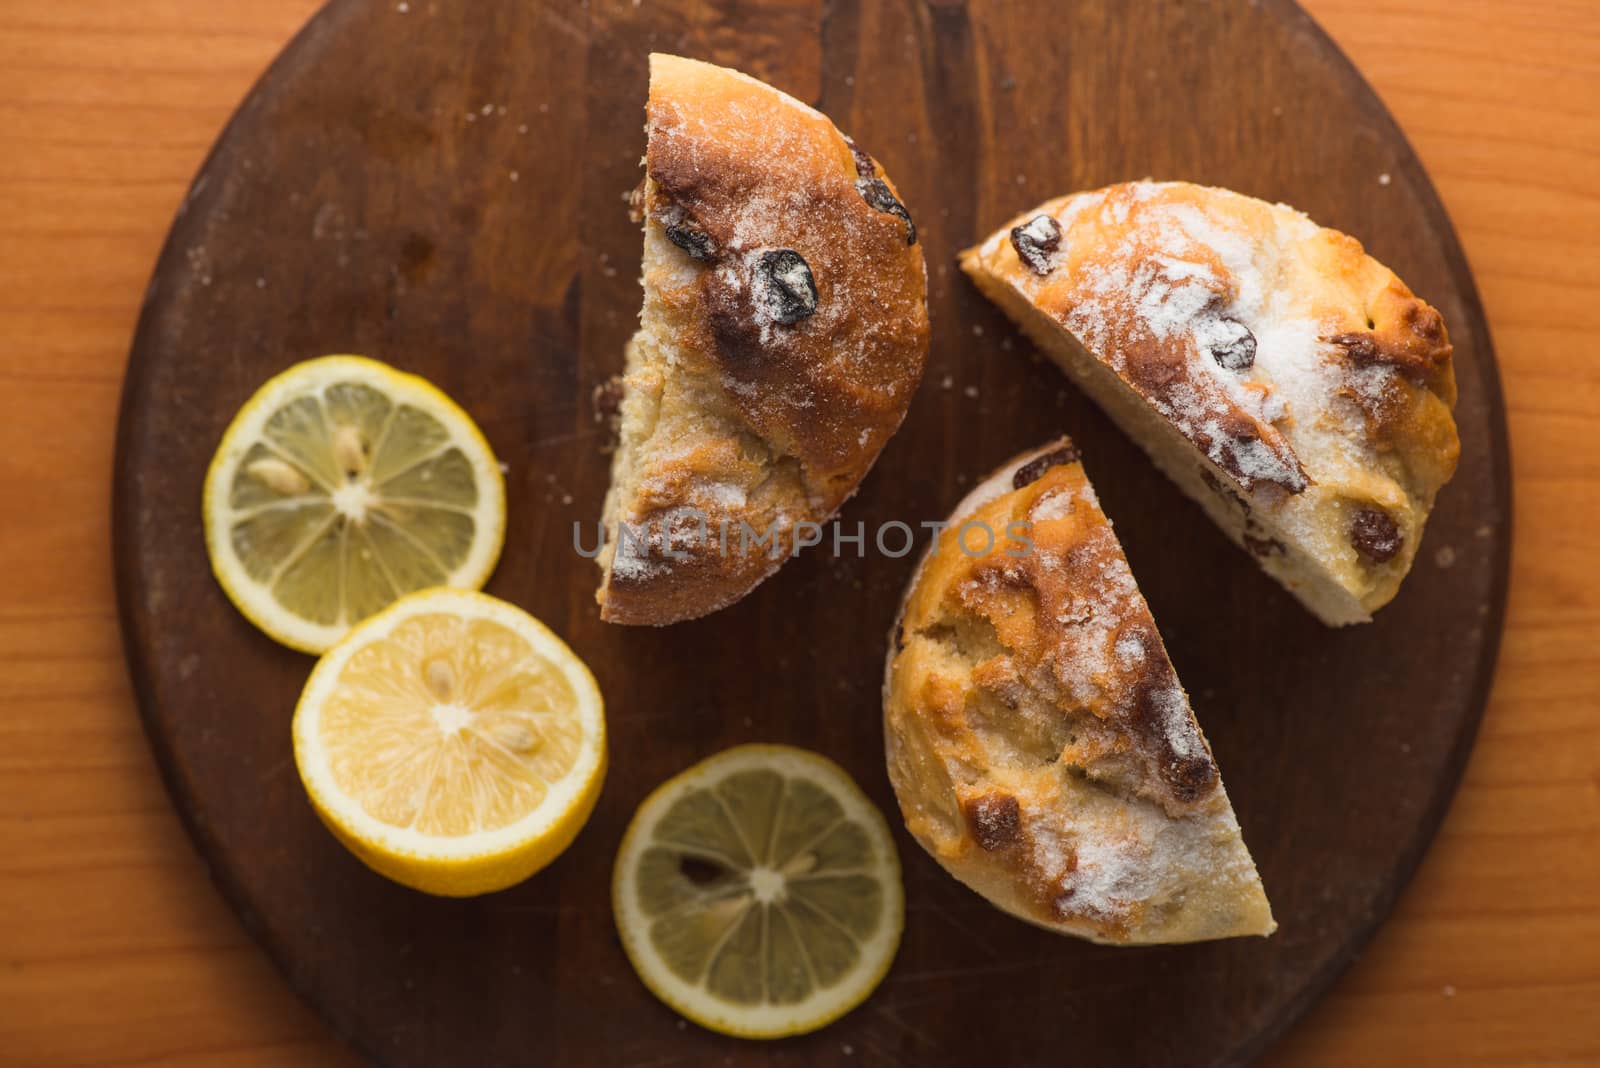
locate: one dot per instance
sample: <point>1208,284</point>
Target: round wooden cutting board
<point>440,184</point>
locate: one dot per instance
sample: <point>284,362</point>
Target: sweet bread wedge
<point>1283,378</point>
<point>1039,742</point>
<point>783,333</point>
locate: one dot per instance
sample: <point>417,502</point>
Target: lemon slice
<point>452,742</point>
<point>758,893</point>
<point>342,485</point>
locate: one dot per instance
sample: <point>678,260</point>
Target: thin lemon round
<point>342,485</point>
<point>758,893</point>
<point>452,742</point>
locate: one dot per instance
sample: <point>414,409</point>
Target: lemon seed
<point>441,679</point>
<point>348,451</point>
<point>516,737</point>
<point>801,864</point>
<point>280,477</point>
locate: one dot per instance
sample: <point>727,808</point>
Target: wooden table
<point>115,949</point>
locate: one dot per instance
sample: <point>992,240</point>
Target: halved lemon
<point>452,742</point>
<point>342,485</point>
<point>758,893</point>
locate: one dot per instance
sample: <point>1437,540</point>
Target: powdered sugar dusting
<point>726,495</point>
<point>1130,650</point>
<point>1084,662</point>
<point>633,560</point>
<point>1184,280</point>
<point>1167,285</point>
<point>1110,874</point>
<point>1057,504</point>
<point>1115,856</point>
<point>1170,707</point>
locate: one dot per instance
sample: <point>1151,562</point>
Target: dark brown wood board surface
<point>440,185</point>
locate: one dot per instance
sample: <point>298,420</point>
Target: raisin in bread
<point>1284,379</point>
<point>783,333</point>
<point>1038,739</point>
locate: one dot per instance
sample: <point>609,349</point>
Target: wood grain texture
<point>114,948</point>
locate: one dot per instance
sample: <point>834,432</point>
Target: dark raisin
<point>693,240</point>
<point>1416,359</point>
<point>1034,469</point>
<point>866,166</point>
<point>785,287</point>
<point>1375,536</point>
<point>1035,240</point>
<point>1361,348</point>
<point>995,820</point>
<point>1215,485</point>
<point>875,191</point>
<point>1161,715</point>
<point>1233,346</point>
<point>1191,777</point>
<point>1263,547</point>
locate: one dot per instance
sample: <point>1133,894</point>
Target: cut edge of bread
<point>663,395</point>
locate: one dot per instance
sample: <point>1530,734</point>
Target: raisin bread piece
<point>1284,379</point>
<point>1039,742</point>
<point>783,333</point>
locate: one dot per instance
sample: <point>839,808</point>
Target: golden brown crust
<point>755,171</point>
<point>1309,380</point>
<point>793,296</point>
<point>1039,741</point>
